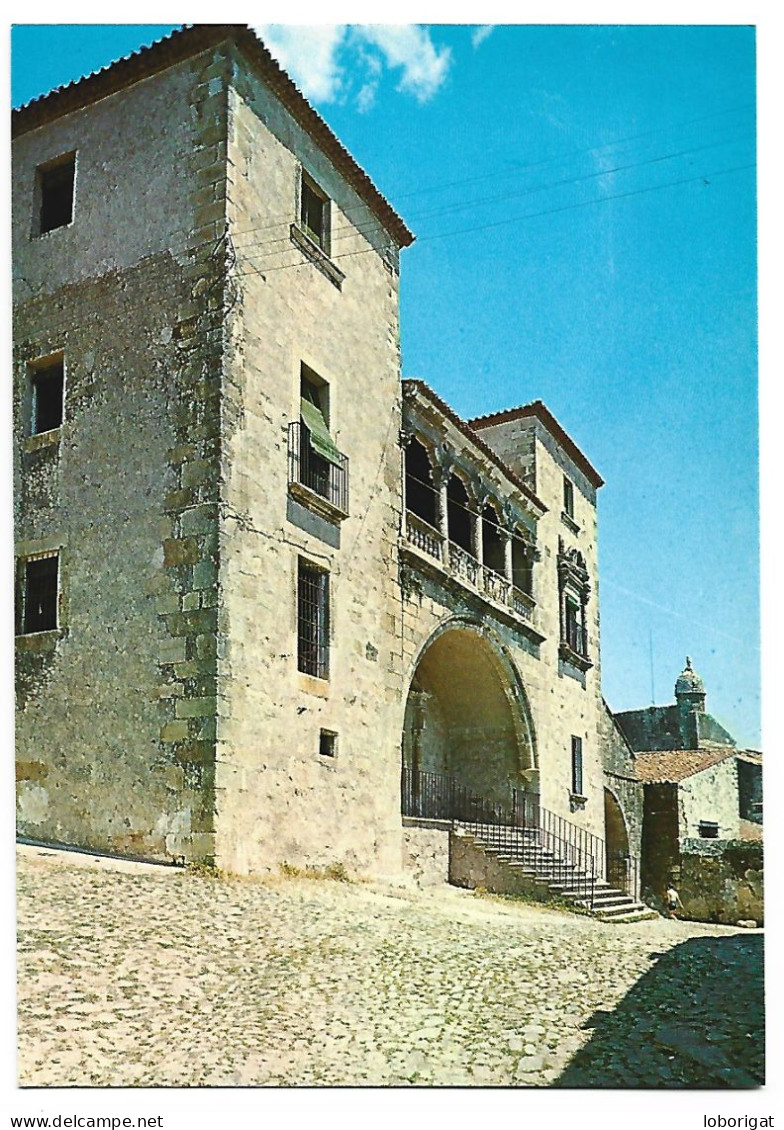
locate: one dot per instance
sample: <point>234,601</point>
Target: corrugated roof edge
<point>188,41</point>
<point>412,384</point>
<point>538,409</point>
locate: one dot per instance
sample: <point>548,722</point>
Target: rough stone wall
<point>620,778</point>
<point>278,798</point>
<point>660,842</point>
<point>720,881</point>
<point>426,855</point>
<point>115,709</point>
<point>471,866</point>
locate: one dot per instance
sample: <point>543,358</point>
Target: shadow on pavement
<point>695,1019</point>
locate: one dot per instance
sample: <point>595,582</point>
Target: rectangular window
<point>328,743</point>
<point>313,620</point>
<point>39,594</point>
<point>47,380</point>
<point>577,766</point>
<point>314,213</point>
<point>568,497</point>
<point>56,193</point>
<point>709,829</point>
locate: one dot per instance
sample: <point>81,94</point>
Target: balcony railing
<point>311,470</point>
<point>465,566</point>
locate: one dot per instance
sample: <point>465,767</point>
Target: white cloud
<point>410,47</point>
<point>328,63</point>
<point>480,34</point>
<point>309,54</point>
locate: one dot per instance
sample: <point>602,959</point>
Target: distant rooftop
<point>663,766</point>
<point>182,44</point>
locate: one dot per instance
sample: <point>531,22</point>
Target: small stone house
<point>272,600</point>
<point>700,791</point>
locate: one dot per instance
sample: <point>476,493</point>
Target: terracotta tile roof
<point>189,41</point>
<point>412,386</point>
<point>541,412</point>
<point>671,765</point>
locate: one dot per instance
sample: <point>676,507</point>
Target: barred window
<point>39,594</point>
<point>577,766</point>
<point>313,620</point>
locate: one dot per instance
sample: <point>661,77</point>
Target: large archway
<point>467,716</point>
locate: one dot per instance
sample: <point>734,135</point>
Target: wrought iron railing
<point>306,466</point>
<point>570,858</point>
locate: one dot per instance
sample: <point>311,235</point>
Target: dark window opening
<point>47,388</point>
<point>313,621</point>
<point>314,213</point>
<point>575,636</point>
<point>568,497</point>
<point>522,566</point>
<point>493,542</point>
<point>420,489</point>
<point>56,188</point>
<point>577,766</point>
<point>458,514</point>
<point>709,829</point>
<point>750,791</point>
<point>40,595</point>
<point>328,743</point>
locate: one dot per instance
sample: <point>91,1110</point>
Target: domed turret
<point>690,689</point>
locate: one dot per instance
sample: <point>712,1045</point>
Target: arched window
<point>420,489</point>
<point>522,566</point>
<point>458,514</point>
<point>493,552</point>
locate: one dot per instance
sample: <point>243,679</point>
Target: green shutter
<point>320,439</point>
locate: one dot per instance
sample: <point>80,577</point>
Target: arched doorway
<point>467,717</point>
<point>616,843</point>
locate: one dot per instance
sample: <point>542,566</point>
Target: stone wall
<point>711,795</point>
<point>426,854</point>
<point>114,743</point>
<point>620,778</point>
<point>472,867</point>
<point>721,881</point>
<point>278,797</point>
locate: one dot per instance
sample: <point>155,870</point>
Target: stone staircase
<point>508,860</point>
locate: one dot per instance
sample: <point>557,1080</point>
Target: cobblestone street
<point>133,975</point>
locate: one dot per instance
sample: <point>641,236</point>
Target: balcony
<point>574,646</point>
<point>457,563</point>
<point>315,481</point>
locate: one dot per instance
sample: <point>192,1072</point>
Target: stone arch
<point>616,840</point>
<point>421,495</point>
<point>467,714</point>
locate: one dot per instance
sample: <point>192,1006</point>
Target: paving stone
<point>132,975</point>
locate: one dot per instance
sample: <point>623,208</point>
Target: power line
<point>526,216</point>
<point>372,226</point>
<point>495,174</point>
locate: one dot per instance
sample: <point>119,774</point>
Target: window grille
<point>313,621</point>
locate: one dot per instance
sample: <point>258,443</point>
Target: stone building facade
<point>700,792</point>
<point>257,574</point>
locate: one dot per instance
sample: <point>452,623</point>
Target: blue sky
<point>584,201</point>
